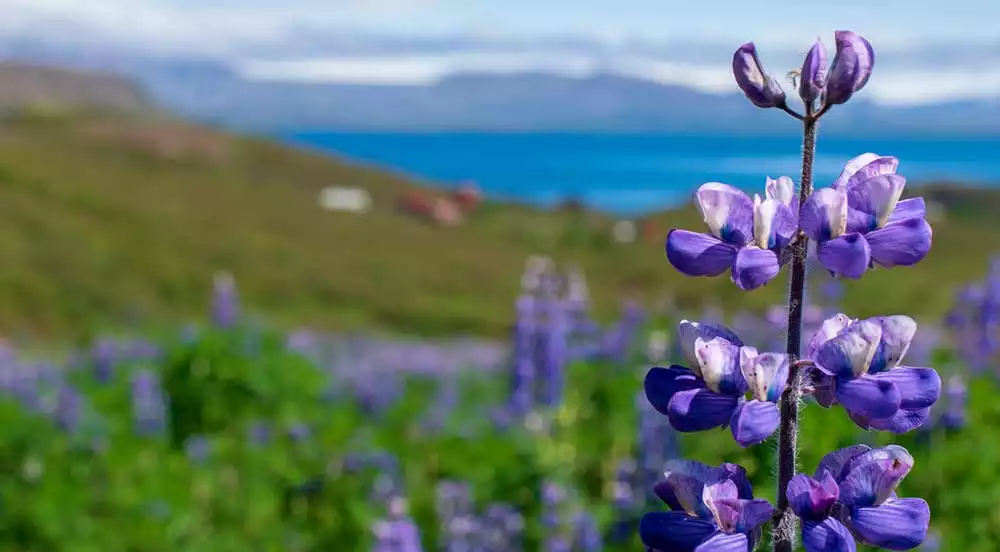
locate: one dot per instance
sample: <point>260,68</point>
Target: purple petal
<point>918,387</point>
<point>766,375</point>
<point>868,397</point>
<point>872,478</point>
<point>901,243</point>
<point>661,384</point>
<point>696,254</point>
<point>863,167</point>
<point>898,524</point>
<point>824,215</point>
<point>761,89</point>
<point>674,531</point>
<point>909,208</point>
<point>684,485</point>
<point>851,68</point>
<point>830,328</point>
<point>823,387</point>
<point>850,352</point>
<point>755,512</point>
<point>754,421</point>
<point>722,542</point>
<point>754,267</point>
<point>688,333</point>
<point>837,461</point>
<point>813,75</point>
<point>847,256</point>
<point>728,212</point>
<point>897,334</point>
<point>719,365</point>
<point>828,535</point>
<point>700,410</point>
<point>812,499</point>
<point>903,421</point>
<point>737,474</point>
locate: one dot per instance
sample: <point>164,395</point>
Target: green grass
<point>100,228</point>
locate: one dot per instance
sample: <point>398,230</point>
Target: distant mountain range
<point>212,92</point>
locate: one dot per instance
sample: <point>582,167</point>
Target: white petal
<point>763,220</point>
<point>714,360</point>
<point>715,201</point>
<point>781,189</point>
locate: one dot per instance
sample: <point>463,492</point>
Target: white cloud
<point>913,87</point>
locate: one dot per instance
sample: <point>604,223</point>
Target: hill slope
<point>118,221</point>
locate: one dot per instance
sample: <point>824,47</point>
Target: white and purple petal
<point>863,167</point>
<point>688,333</point>
<point>683,486</point>
<point>848,256</point>
<point>766,375</point>
<point>824,215</point>
<point>872,478</point>
<point>754,267</point>
<point>719,365</point>
<point>697,254</point>
<point>876,198</point>
<point>850,352</point>
<point>898,524</point>
<point>725,542</point>
<point>700,410</point>
<point>754,421</point>
<point>727,210</point>
<point>901,243</point>
<point>827,331</point>
<point>897,334</point>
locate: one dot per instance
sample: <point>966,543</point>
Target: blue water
<point>634,174</point>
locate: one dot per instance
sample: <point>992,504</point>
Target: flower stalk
<point>788,432</point>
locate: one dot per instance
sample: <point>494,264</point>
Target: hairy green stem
<point>784,530</point>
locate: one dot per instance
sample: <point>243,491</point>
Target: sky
<point>927,50</point>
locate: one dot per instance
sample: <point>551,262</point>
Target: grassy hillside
<point>107,222</point>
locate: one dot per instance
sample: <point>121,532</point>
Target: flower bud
<point>813,77</point>
<point>761,89</point>
<point>852,66</point>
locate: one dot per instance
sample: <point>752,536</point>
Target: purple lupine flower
<point>812,78</point>
<point>586,533</point>
<point>502,529</point>
<point>748,236</point>
<point>103,355</point>
<point>555,354</point>
<point>149,407</point>
<point>197,448</point>
<point>860,221</point>
<point>398,533</point>
<point>956,399</point>
<point>851,68</point>
<point>656,443</point>
<point>711,393</point>
<point>712,509</point>
<point>857,365</point>
<point>259,433</point>
<point>760,88</point>
<point>866,500</point>
<point>225,303</point>
<point>68,410</point>
<point>299,432</point>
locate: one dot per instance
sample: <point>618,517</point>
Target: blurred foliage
<point>228,472</point>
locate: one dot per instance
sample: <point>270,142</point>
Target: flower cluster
<point>860,221</point>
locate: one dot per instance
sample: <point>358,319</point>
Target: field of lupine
<point>236,436</point>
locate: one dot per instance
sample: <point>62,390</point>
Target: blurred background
<point>386,275</point>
